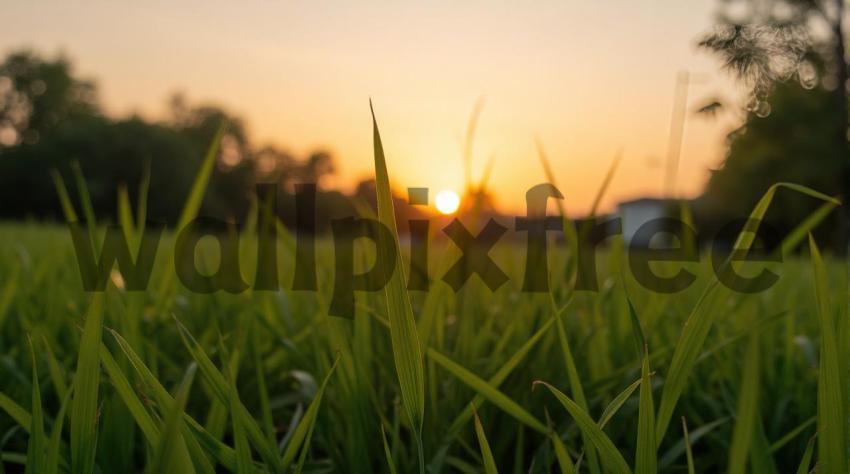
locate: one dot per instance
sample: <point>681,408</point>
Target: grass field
<point>619,380</point>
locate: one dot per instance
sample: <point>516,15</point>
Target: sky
<point>587,78</point>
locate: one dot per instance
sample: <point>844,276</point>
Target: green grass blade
<point>196,194</point>
<point>701,319</point>
<point>689,244</point>
<point>680,447</point>
<point>570,232</point>
<point>125,391</point>
<point>18,413</point>
<point>799,233</point>
<point>469,141</point>
<point>237,419</point>
<point>688,453</point>
<point>832,445</point>
<point>576,387</point>
<point>499,377</point>
<point>85,197</point>
<point>387,452</point>
<point>141,416</point>
<point>496,380</point>
<point>646,455</point>
<point>486,453</point>
<point>487,391</point>
<point>747,410</point>
<point>52,458</point>
<point>57,378</point>
<point>199,186</point>
<point>745,239</point>
<point>36,445</point>
<point>617,403</point>
<point>778,444</point>
<point>609,455</point>
<point>64,197</point>
<point>222,390</point>
<point>637,331</point>
<point>407,353</point>
<point>193,432</point>
<point>299,437</point>
<point>803,468</point>
<point>761,460</point>
<point>563,456</point>
<point>262,389</point>
<point>86,383</point>
<point>610,410</point>
<point>125,216</point>
<point>609,176</point>
<point>167,457</point>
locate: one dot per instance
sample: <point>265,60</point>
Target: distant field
<point>171,381</point>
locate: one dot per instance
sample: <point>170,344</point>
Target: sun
<point>447,201</point>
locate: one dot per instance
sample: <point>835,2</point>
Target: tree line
<point>50,119</point>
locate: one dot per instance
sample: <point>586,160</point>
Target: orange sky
<point>587,77</point>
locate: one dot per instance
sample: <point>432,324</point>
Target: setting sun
<point>447,201</point>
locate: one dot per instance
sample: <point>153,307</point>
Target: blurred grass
<point>283,387</point>
<point>519,339</point>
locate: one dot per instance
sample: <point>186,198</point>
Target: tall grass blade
<point>576,387</point>
<point>84,416</point>
<point>57,378</point>
<point>646,456</point>
<point>683,445</point>
<point>83,195</point>
<point>486,453</point>
<point>52,458</point>
<point>193,432</point>
<point>803,468</point>
<point>240,441</point>
<point>499,377</point>
<point>300,435</point>
<point>561,453</point>
<point>832,444</point>
<point>36,445</point>
<point>702,316</point>
<point>222,390</point>
<point>64,197</point>
<point>617,403</point>
<point>125,391</point>
<point>746,414</point>
<point>487,391</point>
<point>167,457</point>
<point>688,453</point>
<point>405,340</point>
<point>85,200</point>
<point>799,233</point>
<point>125,216</point>
<point>18,413</point>
<point>609,455</point>
<point>606,182</point>
<point>262,389</point>
<point>469,141</point>
<point>196,194</point>
<point>570,232</point>
<point>387,452</point>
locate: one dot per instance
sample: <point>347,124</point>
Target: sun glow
<point>447,201</point>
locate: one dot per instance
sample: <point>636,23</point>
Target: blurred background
<point>706,102</point>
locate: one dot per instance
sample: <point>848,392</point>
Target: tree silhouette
<point>769,43</point>
<point>36,95</point>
